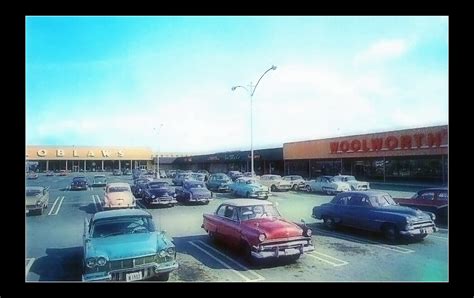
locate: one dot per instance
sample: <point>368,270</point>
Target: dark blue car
<point>375,211</point>
<point>159,193</point>
<point>79,183</point>
<point>193,192</point>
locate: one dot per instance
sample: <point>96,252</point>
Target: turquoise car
<point>124,245</point>
<point>249,188</point>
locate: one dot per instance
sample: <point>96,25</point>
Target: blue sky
<point>112,80</point>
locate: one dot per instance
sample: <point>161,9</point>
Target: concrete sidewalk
<point>407,184</point>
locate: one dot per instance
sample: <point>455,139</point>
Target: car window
<point>119,226</point>
<point>360,201</point>
<point>230,213</point>
<point>117,189</point>
<point>429,196</point>
<point>221,210</point>
<point>343,200</point>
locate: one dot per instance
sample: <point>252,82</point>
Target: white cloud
<point>382,50</point>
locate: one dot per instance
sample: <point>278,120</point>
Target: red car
<point>257,228</point>
<point>431,199</point>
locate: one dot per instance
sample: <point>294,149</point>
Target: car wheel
<point>293,258</point>
<point>352,187</point>
<point>295,187</point>
<point>40,211</point>
<point>163,276</point>
<point>247,194</point>
<point>247,252</point>
<point>328,192</point>
<point>308,188</point>
<point>329,222</point>
<point>390,232</point>
<point>273,188</point>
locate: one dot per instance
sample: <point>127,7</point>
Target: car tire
<point>308,188</point>
<point>390,232</point>
<point>247,252</point>
<point>329,222</point>
<point>40,211</point>
<point>162,277</point>
<point>247,195</point>
<point>294,187</point>
<point>329,192</point>
<point>273,188</point>
<point>294,258</point>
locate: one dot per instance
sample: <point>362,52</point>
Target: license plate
<point>133,276</point>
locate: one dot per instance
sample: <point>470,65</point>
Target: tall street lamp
<point>157,174</point>
<point>251,91</point>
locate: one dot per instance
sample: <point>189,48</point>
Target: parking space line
<point>95,204</point>
<point>245,278</point>
<point>325,259</point>
<point>59,206</point>
<point>259,277</point>
<point>444,238</point>
<point>54,204</point>
<point>29,263</point>
<point>365,241</point>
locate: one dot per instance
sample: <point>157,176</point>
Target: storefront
<point>412,155</point>
<point>89,159</point>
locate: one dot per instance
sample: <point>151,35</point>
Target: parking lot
<point>54,243</point>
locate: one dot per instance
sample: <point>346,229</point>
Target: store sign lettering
<point>90,153</point>
<point>391,142</point>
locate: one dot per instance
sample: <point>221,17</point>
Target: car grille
<point>423,224</point>
<point>135,262</point>
<point>285,245</point>
<point>121,276</point>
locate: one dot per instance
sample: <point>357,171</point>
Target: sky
<point>165,82</point>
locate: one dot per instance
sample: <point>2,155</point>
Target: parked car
<point>193,192</point>
<point>125,245</point>
<point>99,180</point>
<point>275,182</point>
<point>163,174</point>
<point>36,199</point>
<point>431,199</point>
<point>159,193</point>
<point>117,173</point>
<point>355,185</point>
<point>234,175</point>
<point>326,184</point>
<point>180,178</point>
<point>249,188</point>
<point>127,172</point>
<point>198,177</point>
<point>375,211</point>
<point>206,174</point>
<point>139,186</point>
<point>79,183</point>
<point>219,182</point>
<point>118,195</point>
<point>257,228</point>
<point>296,182</point>
<point>49,173</point>
<point>63,173</point>
<point>32,175</point>
<point>171,173</point>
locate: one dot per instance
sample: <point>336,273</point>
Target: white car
<point>355,185</point>
<point>275,182</point>
<point>327,184</point>
<point>296,181</point>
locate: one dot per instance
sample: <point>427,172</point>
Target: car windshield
<point>79,179</point>
<point>220,177</point>
<point>123,225</point>
<point>350,178</point>
<point>158,184</point>
<point>32,192</point>
<point>118,189</point>
<point>382,200</point>
<point>251,181</point>
<point>258,211</point>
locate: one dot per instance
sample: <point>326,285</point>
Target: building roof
<point>246,202</point>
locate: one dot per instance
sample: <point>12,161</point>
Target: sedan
<point>193,192</point>
<point>36,199</point>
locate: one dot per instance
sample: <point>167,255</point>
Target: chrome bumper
<point>163,201</point>
<point>419,231</point>
<point>282,249</point>
<point>154,268</point>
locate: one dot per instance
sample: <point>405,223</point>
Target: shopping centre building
<point>419,154</point>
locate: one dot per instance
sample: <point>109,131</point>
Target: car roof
<point>365,192</point>
<point>118,184</point>
<point>99,176</point>
<point>119,213</point>
<point>34,188</point>
<point>246,202</point>
<point>79,177</point>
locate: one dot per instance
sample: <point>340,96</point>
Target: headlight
<point>170,251</point>
<point>90,262</point>
<point>153,196</point>
<point>261,237</point>
<point>309,232</point>
<point>101,261</point>
<point>38,203</point>
<point>162,254</point>
<point>433,216</point>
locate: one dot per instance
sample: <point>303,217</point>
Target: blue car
<point>159,193</point>
<point>249,188</point>
<point>79,183</point>
<point>193,192</point>
<point>124,245</point>
<point>375,211</point>
<point>219,182</point>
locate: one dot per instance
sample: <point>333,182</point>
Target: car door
<point>358,212</point>
<point>316,184</point>
<point>229,228</point>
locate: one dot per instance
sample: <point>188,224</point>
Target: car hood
<point>403,210</point>
<point>128,245</point>
<point>339,183</point>
<point>116,197</point>
<point>355,183</point>
<point>220,182</point>
<point>274,228</point>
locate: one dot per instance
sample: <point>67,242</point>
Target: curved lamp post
<point>251,91</point>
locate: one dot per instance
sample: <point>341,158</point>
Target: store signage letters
<point>90,153</point>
